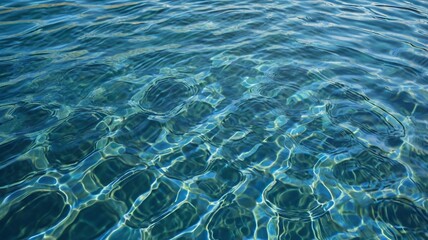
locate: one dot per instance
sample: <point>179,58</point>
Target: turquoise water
<point>214,119</point>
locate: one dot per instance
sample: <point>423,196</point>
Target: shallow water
<point>214,119</point>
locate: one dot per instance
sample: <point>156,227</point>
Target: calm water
<point>214,119</point>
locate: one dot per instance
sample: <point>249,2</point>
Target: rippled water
<point>214,119</point>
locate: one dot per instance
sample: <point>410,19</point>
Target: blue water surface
<point>214,119</point>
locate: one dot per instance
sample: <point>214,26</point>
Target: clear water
<point>214,119</point>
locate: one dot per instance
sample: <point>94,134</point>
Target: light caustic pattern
<point>213,119</point>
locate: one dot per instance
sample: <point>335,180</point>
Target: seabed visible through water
<point>214,119</point>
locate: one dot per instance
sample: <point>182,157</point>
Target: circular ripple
<point>34,214</point>
<point>296,203</point>
<point>401,213</point>
<point>369,171</point>
<point>337,90</point>
<point>370,119</point>
<point>166,96</point>
<point>75,138</point>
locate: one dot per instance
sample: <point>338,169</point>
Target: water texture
<point>214,119</point>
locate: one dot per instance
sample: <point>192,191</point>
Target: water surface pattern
<point>214,119</point>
